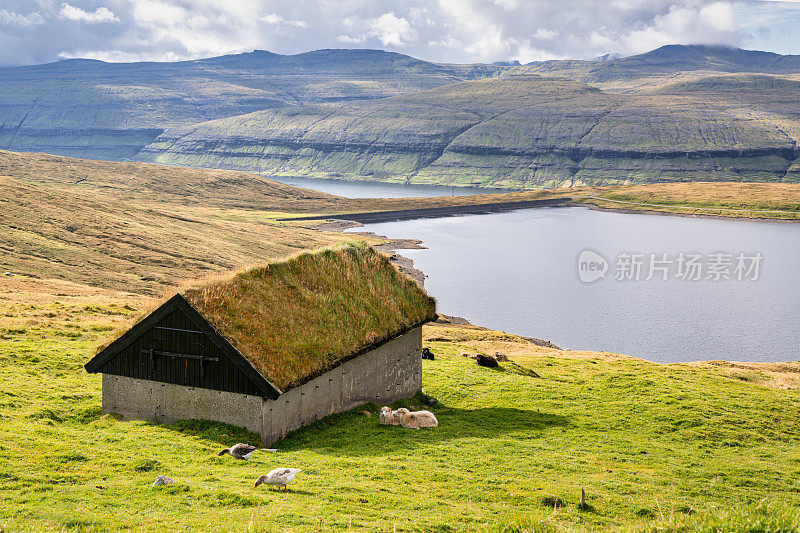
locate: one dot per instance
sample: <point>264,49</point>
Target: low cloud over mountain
<point>37,31</point>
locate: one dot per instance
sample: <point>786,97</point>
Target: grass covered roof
<point>297,318</point>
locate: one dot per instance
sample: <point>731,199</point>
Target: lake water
<point>518,272</point>
<point>371,189</point>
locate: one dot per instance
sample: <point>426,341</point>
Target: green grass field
<point>655,447</point>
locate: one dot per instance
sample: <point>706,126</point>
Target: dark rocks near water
<point>456,320</point>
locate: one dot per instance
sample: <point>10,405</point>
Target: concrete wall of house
<point>164,403</point>
<point>383,375</point>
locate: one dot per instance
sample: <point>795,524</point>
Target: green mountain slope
<point>671,60</point>
<point>109,111</point>
<point>676,113</point>
<point>514,131</point>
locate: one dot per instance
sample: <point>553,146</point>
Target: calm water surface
<point>367,189</point>
<point>518,272</point>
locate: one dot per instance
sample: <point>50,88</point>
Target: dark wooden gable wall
<point>175,344</point>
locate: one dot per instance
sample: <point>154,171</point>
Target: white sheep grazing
<point>387,417</point>
<point>417,419</point>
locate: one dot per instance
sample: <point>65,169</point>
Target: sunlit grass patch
<point>655,447</point>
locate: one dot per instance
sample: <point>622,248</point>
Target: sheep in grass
<point>416,419</point>
<point>387,417</point>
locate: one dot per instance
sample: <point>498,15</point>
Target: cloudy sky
<point>38,31</point>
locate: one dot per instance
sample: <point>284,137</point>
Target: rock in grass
<point>501,357</point>
<point>162,480</point>
<point>427,354</point>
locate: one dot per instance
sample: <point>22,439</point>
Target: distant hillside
<point>731,84</point>
<point>103,110</point>
<point>670,60</point>
<point>514,131</point>
<point>675,113</point>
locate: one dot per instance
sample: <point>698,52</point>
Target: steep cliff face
<point>514,131</point>
<point>110,111</point>
<point>676,113</point>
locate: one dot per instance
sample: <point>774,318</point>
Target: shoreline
<point>389,247</point>
<point>372,217</point>
<point>628,211</point>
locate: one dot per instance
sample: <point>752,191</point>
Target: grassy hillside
<point>731,200</point>
<point>707,447</point>
<point>516,132</point>
<point>140,228</point>
<point>666,62</point>
<point>103,110</point>
<point>315,114</point>
<point>143,228</point>
<point>670,448</point>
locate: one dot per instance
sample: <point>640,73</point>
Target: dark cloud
<point>34,31</point>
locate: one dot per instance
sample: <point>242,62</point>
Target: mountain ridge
<point>513,131</point>
<point>90,108</point>
<point>371,114</point>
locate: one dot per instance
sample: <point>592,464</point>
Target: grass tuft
<point>551,501</point>
<point>145,465</point>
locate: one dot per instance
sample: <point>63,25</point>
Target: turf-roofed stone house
<point>274,347</point>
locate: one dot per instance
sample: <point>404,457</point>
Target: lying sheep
<point>387,417</point>
<point>417,419</point>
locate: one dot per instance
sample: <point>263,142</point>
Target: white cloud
<point>22,21</point>
<point>119,56</point>
<point>274,18</point>
<point>542,33</point>
<point>527,53</point>
<point>710,24</point>
<point>347,39</point>
<point>156,13</point>
<point>99,15</point>
<point>392,30</point>
<point>489,44</point>
<point>448,41</point>
<point>435,30</point>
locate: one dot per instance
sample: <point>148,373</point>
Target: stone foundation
<point>391,371</point>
